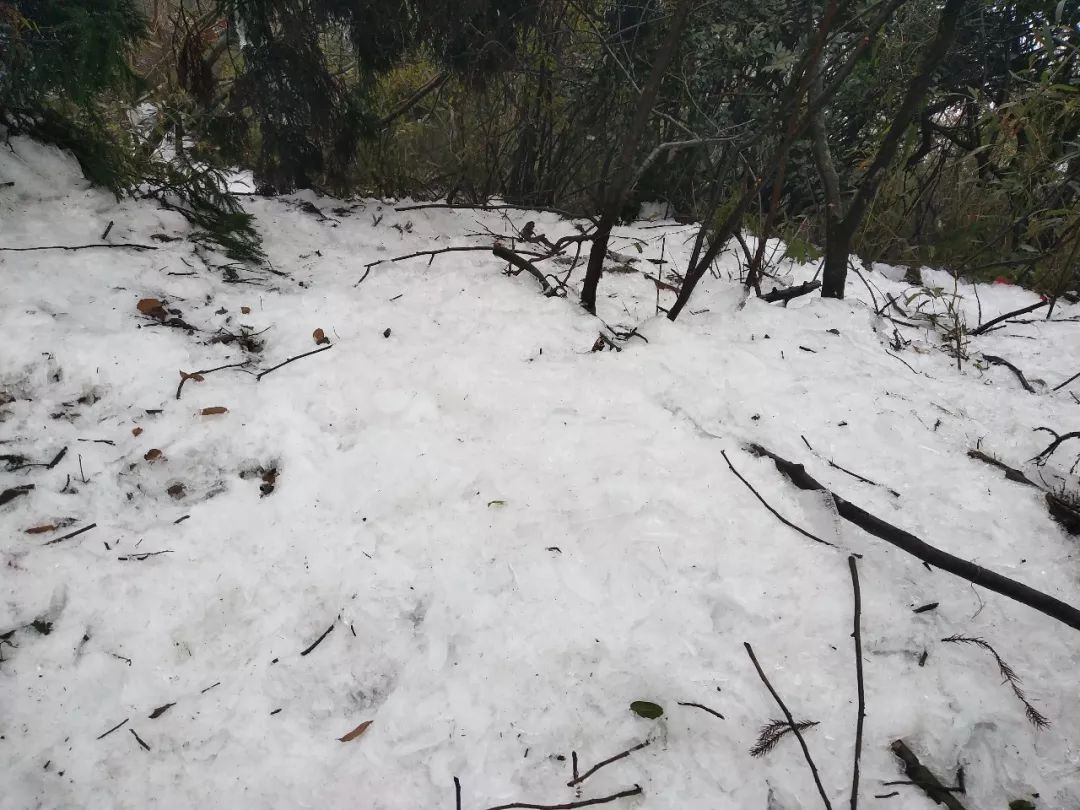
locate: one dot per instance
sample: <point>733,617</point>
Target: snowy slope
<point>511,537</point>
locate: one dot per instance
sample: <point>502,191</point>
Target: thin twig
<point>128,245</point>
<point>114,728</point>
<point>318,641</point>
<point>764,503</point>
<point>68,536</point>
<point>791,722</point>
<point>865,480</point>
<point>634,791</point>
<point>859,681</point>
<point>262,374</point>
<point>457,793</point>
<point>713,712</point>
<point>579,779</point>
<point>185,376</point>
<point>1073,377</point>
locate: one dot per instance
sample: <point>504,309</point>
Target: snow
<point>512,537</point>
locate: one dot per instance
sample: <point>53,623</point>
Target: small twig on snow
<point>185,376</point>
<point>634,791</point>
<point>1073,377</point>
<point>765,503</point>
<point>318,641</point>
<point>75,533</point>
<point>791,723</point>
<point>713,712</point>
<point>262,374</point>
<point>128,245</point>
<point>114,728</point>
<point>579,779</point>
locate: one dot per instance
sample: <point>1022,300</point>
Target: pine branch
<point>771,734</point>
<point>1009,676</point>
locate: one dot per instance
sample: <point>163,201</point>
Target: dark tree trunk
<point>841,226</point>
<point>622,176</point>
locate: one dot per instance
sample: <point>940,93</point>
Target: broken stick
<point>921,776</point>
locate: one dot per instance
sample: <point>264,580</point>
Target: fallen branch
<point>577,780</point>
<point>785,294</point>
<point>921,776</point>
<point>262,374</point>
<point>764,503</point>
<point>634,791</point>
<point>1001,361</point>
<point>1022,311</point>
<point>513,258</point>
<point>859,682</point>
<point>128,245</point>
<point>791,722</point>
<point>1024,594</point>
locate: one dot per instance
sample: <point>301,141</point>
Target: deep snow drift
<point>511,537</point>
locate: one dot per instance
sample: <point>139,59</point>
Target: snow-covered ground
<point>511,536</point>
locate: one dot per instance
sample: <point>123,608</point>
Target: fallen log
<point>976,574</point>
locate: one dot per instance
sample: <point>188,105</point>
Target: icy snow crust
<point>511,536</point>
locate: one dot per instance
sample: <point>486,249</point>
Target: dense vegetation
<point>944,132</point>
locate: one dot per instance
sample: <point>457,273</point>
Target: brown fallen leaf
<point>197,377</point>
<point>48,527</point>
<point>153,454</point>
<point>135,431</point>
<point>320,337</point>
<point>214,410</point>
<point>245,310</point>
<point>152,307</point>
<point>356,732</point>
<point>177,490</point>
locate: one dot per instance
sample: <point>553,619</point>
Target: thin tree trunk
<point>623,174</point>
<point>841,228</point>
